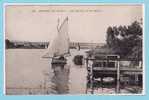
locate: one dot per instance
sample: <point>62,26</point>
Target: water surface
<point>28,73</point>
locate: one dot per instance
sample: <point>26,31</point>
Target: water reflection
<point>60,79</point>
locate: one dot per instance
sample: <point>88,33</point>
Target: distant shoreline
<point>44,45</point>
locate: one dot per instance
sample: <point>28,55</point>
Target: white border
<point>75,4</point>
<point>4,67</point>
<point>144,67</point>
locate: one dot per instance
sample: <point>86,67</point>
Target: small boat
<point>59,61</point>
<point>58,48</point>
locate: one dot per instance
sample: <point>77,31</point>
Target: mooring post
<point>118,76</point>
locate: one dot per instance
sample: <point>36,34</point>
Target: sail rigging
<point>59,46</point>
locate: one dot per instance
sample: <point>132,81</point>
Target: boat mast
<point>58,24</point>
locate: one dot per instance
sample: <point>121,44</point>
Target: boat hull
<point>56,61</point>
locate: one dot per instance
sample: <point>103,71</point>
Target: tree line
<point>126,40</point>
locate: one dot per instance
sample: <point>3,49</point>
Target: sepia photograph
<point>74,49</point>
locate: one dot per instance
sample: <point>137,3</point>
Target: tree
<point>126,40</point>
<point>7,42</point>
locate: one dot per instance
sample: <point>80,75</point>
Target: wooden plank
<point>116,59</point>
<point>104,69</point>
<point>132,73</point>
<point>115,69</point>
<point>131,69</point>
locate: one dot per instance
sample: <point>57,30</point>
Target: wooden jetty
<point>109,66</point>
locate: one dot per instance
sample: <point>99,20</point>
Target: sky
<point>86,23</point>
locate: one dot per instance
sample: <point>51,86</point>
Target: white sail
<point>60,44</point>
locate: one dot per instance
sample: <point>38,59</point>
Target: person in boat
<point>61,58</point>
<point>78,47</point>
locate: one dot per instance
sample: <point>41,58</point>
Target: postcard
<point>74,49</point>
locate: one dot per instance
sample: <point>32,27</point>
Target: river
<point>28,73</point>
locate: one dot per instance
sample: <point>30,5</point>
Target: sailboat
<point>58,48</point>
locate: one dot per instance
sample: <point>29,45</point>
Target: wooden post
<point>87,75</point>
<point>118,76</point>
<point>102,84</point>
<point>44,85</point>
<point>136,79</point>
<point>92,80</point>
